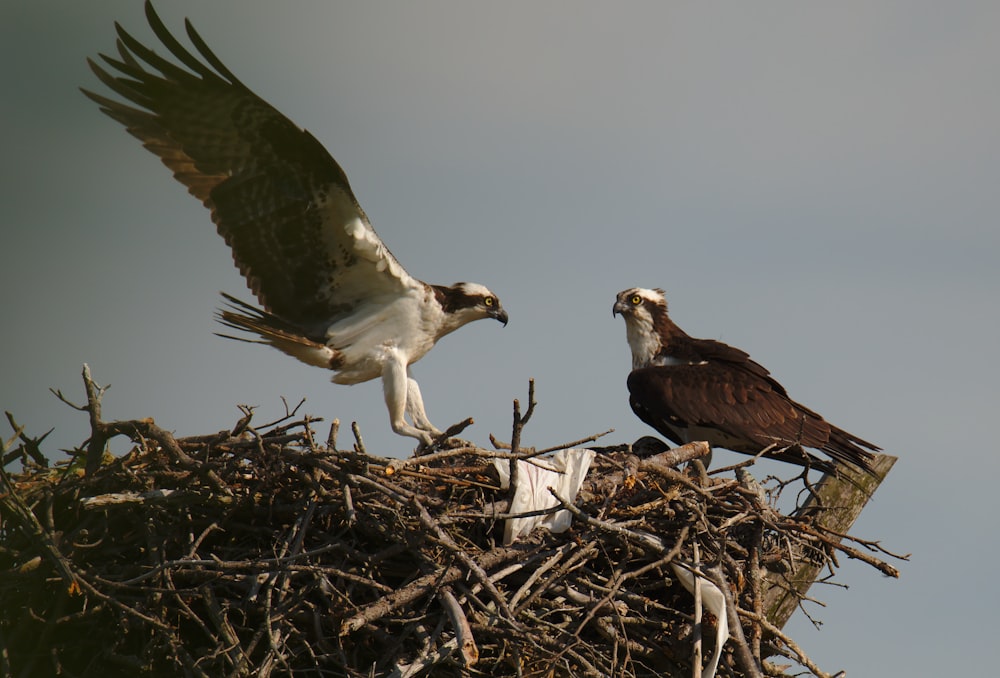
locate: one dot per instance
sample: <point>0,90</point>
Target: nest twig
<point>258,551</point>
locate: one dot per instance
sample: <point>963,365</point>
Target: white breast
<point>403,327</point>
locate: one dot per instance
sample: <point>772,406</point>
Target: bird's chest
<point>401,332</point>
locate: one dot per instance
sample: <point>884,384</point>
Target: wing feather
<point>277,197</point>
<point>739,403</point>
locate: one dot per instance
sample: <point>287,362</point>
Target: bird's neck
<point>651,341</point>
<point>643,341</point>
<point>452,321</point>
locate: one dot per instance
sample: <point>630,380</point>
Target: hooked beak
<point>500,315</point>
<point>619,307</point>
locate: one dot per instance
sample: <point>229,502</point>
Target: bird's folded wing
<point>734,401</point>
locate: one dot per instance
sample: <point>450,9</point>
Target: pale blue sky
<point>816,184</point>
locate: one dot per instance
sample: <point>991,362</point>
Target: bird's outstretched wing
<point>278,198</point>
<point>740,404</point>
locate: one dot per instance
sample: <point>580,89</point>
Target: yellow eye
<point>636,300</point>
<point>488,301</point>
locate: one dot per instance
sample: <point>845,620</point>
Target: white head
<point>644,311</point>
<point>465,302</point>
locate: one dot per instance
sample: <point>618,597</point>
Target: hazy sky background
<point>815,183</point>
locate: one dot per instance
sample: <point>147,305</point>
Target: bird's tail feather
<point>274,331</point>
<point>847,447</point>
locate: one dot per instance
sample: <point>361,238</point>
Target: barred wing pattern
<point>277,197</point>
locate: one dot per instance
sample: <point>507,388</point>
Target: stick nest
<point>259,551</point>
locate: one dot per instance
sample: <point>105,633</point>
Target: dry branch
<point>823,520</point>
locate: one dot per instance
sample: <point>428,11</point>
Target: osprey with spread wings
<point>331,293</point>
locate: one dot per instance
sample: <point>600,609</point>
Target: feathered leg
<point>395,387</point>
<point>415,407</point>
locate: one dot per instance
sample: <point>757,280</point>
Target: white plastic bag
<point>564,472</point>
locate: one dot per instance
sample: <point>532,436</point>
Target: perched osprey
<point>699,389</point>
<point>331,292</point>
